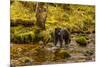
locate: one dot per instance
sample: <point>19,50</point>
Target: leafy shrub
<point>81,40</point>
<point>45,35</point>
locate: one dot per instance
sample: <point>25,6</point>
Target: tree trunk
<point>41,15</point>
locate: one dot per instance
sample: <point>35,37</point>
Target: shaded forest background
<point>33,22</point>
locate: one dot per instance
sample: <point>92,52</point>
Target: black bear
<point>61,35</point>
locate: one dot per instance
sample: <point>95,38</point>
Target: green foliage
<point>22,34</point>
<point>18,11</point>
<point>81,40</point>
<point>24,37</point>
<point>77,18</point>
<point>46,36</point>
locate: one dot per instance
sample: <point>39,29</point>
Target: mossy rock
<point>25,61</point>
<point>61,54</point>
<point>40,56</point>
<point>89,53</point>
<point>26,23</point>
<point>81,40</point>
<point>27,37</point>
<point>64,54</point>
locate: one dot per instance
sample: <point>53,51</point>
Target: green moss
<point>61,54</point>
<point>22,35</point>
<point>81,40</point>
